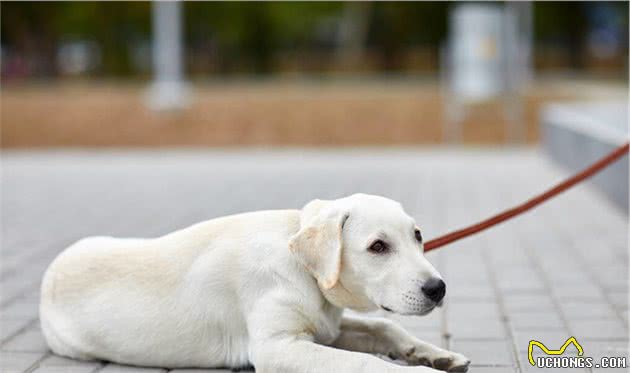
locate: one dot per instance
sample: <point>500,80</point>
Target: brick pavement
<point>561,270</point>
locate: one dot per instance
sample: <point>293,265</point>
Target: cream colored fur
<point>264,288</point>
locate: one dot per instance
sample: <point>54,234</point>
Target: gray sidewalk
<point>557,272</point>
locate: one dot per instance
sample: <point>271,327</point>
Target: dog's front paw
<point>451,362</point>
<point>442,360</point>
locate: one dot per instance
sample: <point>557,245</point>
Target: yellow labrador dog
<point>263,288</point>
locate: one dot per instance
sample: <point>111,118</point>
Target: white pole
<point>168,90</point>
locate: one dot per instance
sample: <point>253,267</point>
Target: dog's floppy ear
<point>318,243</point>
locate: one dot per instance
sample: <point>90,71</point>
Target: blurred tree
<point>43,25</point>
<point>254,32</point>
<point>29,30</point>
<point>226,37</point>
<point>399,25</point>
<point>563,25</point>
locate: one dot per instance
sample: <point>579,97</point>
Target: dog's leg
<point>302,355</point>
<point>383,336</point>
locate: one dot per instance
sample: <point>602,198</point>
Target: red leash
<point>529,204</point>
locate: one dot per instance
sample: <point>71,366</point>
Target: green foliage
<point>247,35</point>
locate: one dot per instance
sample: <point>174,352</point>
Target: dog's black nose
<point>434,289</point>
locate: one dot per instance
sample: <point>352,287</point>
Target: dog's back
<point>169,301</point>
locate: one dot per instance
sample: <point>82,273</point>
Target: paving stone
<point>59,361</point>
<point>115,368</point>
<point>613,276</point>
<point>33,294</point>
<point>578,310</point>
<point>600,329</point>
<point>534,285</point>
<point>8,328</point>
<point>484,352</point>
<point>535,320</point>
<point>487,369</point>
<point>598,349</point>
<point>23,309</point>
<point>11,362</point>
<point>205,371</point>
<point>66,369</point>
<point>477,329</point>
<point>534,266</point>
<point>28,341</point>
<point>472,311</point>
<point>527,302</point>
<point>619,299</point>
<point>467,292</point>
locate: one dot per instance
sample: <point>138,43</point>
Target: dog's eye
<point>418,235</point>
<point>378,247</point>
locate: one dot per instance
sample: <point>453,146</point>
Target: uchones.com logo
<point>560,359</point>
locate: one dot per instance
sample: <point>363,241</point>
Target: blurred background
<point>83,74</point>
<point>134,119</point>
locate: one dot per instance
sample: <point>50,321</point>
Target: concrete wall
<point>577,134</point>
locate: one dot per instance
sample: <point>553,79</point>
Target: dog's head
<point>367,253</point>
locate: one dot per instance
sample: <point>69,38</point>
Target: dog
<point>265,289</point>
